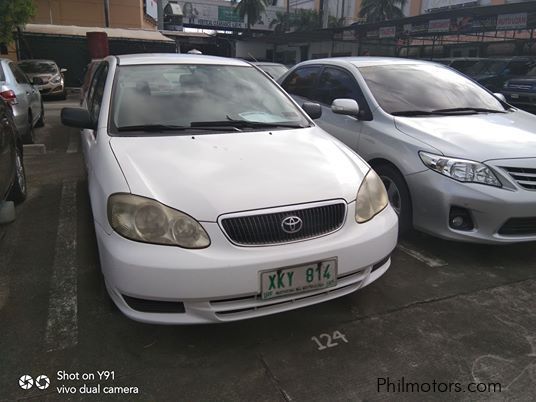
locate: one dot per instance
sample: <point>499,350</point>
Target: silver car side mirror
<point>500,96</point>
<point>347,107</point>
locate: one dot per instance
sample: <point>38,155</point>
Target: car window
<point>425,87</point>
<point>334,84</point>
<point>97,92</point>
<point>302,81</point>
<point>39,67</point>
<point>2,75</point>
<point>20,77</point>
<point>184,94</point>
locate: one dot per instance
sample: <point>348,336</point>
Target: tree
<point>381,10</point>
<point>306,20</point>
<point>12,14</point>
<point>252,9</point>
<point>281,22</point>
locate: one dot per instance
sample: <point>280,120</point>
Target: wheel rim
<point>393,194</point>
<point>21,178</point>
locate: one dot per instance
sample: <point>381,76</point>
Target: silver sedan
<point>457,161</point>
<point>24,98</point>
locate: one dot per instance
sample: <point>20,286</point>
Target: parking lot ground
<point>446,316</point>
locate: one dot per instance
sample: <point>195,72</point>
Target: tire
<point>41,121</point>
<point>29,137</point>
<point>19,187</point>
<point>399,197</point>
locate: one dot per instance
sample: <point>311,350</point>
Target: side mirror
<point>63,70</point>
<point>313,110</point>
<point>75,117</point>
<point>501,97</point>
<point>348,107</point>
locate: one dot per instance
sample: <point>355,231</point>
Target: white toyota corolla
<point>216,198</point>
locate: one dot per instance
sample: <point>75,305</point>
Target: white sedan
<point>216,198</point>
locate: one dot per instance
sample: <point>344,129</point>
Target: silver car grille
<point>525,177</point>
<point>264,229</point>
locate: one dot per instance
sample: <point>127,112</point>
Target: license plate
<point>298,279</point>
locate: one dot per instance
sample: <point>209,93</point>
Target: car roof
<point>36,61</point>
<point>175,58</point>
<point>267,63</point>
<point>365,61</point>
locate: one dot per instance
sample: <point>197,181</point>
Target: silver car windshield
<point>426,88</point>
<point>180,96</point>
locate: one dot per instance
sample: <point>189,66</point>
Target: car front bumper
<point>51,89</point>
<point>490,207</point>
<point>222,282</point>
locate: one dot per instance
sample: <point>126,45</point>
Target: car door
<point>26,91</point>
<point>337,83</point>
<point>6,154</point>
<point>94,101</point>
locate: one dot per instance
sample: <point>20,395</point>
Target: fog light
<point>460,219</point>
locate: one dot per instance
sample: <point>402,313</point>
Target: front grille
<point>525,177</point>
<point>265,229</point>
<point>523,87</point>
<point>519,227</point>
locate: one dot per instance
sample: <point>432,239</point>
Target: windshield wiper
<point>244,124</point>
<point>468,109</point>
<point>446,112</point>
<point>411,113</point>
<point>171,127</point>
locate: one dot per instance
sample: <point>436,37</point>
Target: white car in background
<point>216,198</point>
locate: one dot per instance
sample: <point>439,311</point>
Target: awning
<point>113,33</point>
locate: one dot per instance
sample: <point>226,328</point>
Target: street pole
<point>107,13</point>
<point>160,14</point>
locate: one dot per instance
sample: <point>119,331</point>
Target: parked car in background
<point>47,76</point>
<point>457,162</point>
<point>462,64</point>
<point>274,70</point>
<point>88,76</point>
<point>12,175</point>
<point>24,98</point>
<point>237,207</point>
<point>493,73</point>
<point>521,91</point>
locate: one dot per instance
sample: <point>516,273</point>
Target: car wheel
<point>18,189</point>
<point>398,193</point>
<point>28,138</point>
<point>41,121</point>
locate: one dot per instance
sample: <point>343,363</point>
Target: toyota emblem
<point>291,224</point>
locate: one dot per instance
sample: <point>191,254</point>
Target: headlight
<point>460,169</point>
<point>142,219</point>
<point>371,198</point>
<point>56,79</point>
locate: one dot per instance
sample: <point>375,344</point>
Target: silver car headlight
<point>460,169</point>
<point>56,79</point>
<point>146,220</point>
<point>371,198</point>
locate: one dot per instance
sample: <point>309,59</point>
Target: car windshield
<point>425,88</point>
<point>181,95</point>
<point>275,71</point>
<point>34,67</point>
<point>492,67</point>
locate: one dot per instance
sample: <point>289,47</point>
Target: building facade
<point>92,13</point>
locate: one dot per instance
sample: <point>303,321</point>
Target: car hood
<point>212,174</point>
<point>478,137</point>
